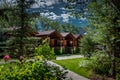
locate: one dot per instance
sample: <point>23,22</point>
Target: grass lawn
<point>74,65</point>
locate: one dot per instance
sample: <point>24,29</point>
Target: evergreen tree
<point>87,44</point>
<point>19,21</point>
<point>105,20</point>
<point>104,17</point>
<point>3,28</point>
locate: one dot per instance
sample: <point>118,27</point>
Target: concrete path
<point>75,76</point>
<point>68,57</point>
<point>70,75</point>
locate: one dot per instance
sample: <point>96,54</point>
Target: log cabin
<point>61,41</point>
<point>77,42</point>
<point>68,40</point>
<point>53,36</point>
<point>77,39</point>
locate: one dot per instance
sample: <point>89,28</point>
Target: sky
<point>55,10</point>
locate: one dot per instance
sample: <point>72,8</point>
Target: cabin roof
<point>76,36</point>
<point>54,33</point>
<point>50,33</point>
<point>45,33</point>
<point>68,35</point>
<point>65,34</point>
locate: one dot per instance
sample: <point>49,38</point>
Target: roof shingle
<point>44,33</point>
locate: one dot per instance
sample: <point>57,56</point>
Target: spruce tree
<point>19,21</point>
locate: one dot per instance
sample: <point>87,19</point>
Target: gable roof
<point>68,35</point>
<point>45,33</point>
<point>76,36</point>
<point>65,34</point>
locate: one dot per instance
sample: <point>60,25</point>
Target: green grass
<point>74,65</point>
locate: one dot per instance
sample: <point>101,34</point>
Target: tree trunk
<point>114,60</point>
<point>113,66</point>
<point>22,16</point>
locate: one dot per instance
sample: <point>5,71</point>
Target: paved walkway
<point>68,57</point>
<point>70,75</point>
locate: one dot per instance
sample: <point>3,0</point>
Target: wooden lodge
<point>77,38</point>
<point>65,41</point>
<point>53,35</point>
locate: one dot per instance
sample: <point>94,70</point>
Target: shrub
<point>59,51</point>
<point>100,64</point>
<point>118,77</point>
<point>45,50</point>
<point>84,63</point>
<point>87,46</point>
<point>31,71</point>
<point>76,50</point>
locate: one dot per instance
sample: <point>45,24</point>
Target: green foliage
<point>29,46</point>
<point>69,28</point>
<point>31,71</point>
<point>118,77</point>
<point>18,21</point>
<point>77,50</point>
<point>48,24</point>
<point>100,63</point>
<point>105,21</point>
<point>45,50</point>
<point>78,8</point>
<point>3,40</point>
<point>87,45</point>
<point>59,51</point>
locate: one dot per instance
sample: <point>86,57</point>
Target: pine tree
<point>105,20</point>
<point>104,17</point>
<point>19,21</point>
<point>3,29</point>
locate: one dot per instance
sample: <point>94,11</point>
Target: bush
<point>62,50</point>
<point>76,50</point>
<point>118,77</point>
<point>87,46</point>
<point>31,71</point>
<point>59,51</point>
<point>100,64</point>
<point>45,50</point>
